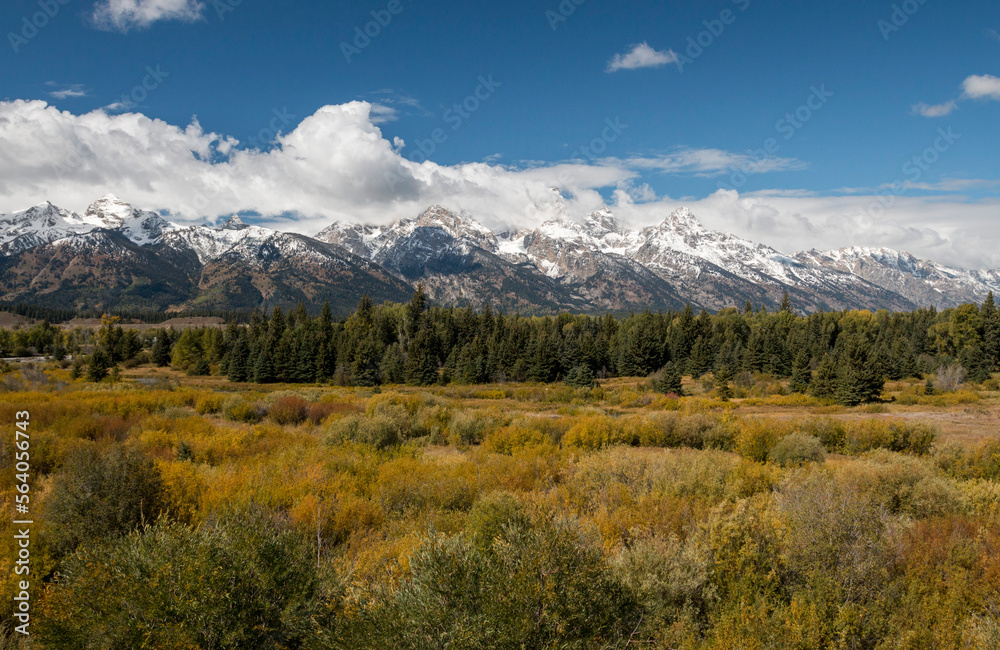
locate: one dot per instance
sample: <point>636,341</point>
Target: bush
<point>755,438</point>
<point>471,427</point>
<point>599,431</point>
<point>547,588</point>
<point>493,516</point>
<point>236,409</point>
<point>892,434</point>
<point>509,439</point>
<point>832,433</point>
<point>210,404</point>
<point>290,409</point>
<point>244,581</point>
<point>98,496</point>
<point>797,449</point>
<point>381,431</point>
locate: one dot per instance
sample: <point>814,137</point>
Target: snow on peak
<point>235,223</point>
<point>603,222</point>
<point>683,220</point>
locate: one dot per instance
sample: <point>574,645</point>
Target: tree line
<point>847,355</point>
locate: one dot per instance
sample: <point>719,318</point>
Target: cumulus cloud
<point>336,165</point>
<point>974,87</point>
<point>982,87</point>
<point>937,110</point>
<point>124,15</point>
<point>641,56</point>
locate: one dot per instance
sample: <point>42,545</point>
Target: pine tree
<point>786,304</point>
<point>97,369</point>
<point>801,373</point>
<point>239,365</point>
<point>668,381</point>
<point>700,360</point>
<point>581,377</point>
<point>991,332</point>
<point>929,386</point>
<point>825,383</point>
<point>722,388</point>
<point>859,378</point>
<point>263,368</point>
<point>367,361</point>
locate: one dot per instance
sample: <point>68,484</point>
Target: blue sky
<point>882,82</point>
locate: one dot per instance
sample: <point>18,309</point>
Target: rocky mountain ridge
<point>116,254</point>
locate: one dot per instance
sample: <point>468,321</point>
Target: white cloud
<point>337,165</point>
<point>982,87</point>
<point>380,114</point>
<point>124,15</point>
<point>994,34</point>
<point>641,56</point>
<point>713,162</point>
<point>937,110</point>
<point>68,92</point>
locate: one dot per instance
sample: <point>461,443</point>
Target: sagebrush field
<point>189,512</point>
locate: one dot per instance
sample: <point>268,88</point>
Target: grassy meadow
<point>177,511</point>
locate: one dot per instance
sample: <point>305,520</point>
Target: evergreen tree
<point>367,363</point>
<point>263,368</point>
<point>991,332</point>
<point>581,377</point>
<point>786,304</point>
<point>392,369</point>
<point>824,385</point>
<point>722,388</point>
<point>977,365</point>
<point>668,381</point>
<point>929,386</point>
<point>97,369</point>
<point>801,373</point>
<point>859,378</point>
<point>701,358</point>
<point>238,366</point>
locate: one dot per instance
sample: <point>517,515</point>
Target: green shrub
<point>491,517</point>
<point>547,587</point>
<point>243,581</point>
<point>101,495</point>
<point>380,431</point>
<point>236,409</point>
<point>797,449</point>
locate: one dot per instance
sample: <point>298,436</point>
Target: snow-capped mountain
<point>921,281</point>
<point>117,254</point>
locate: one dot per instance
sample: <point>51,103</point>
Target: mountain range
<point>118,256</point>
